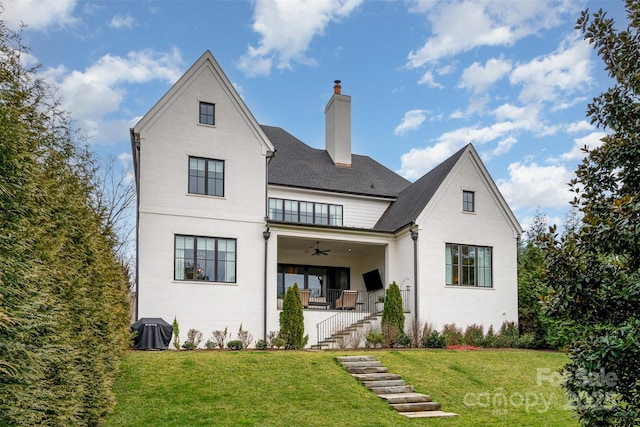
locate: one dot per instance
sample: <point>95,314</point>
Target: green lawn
<point>304,388</point>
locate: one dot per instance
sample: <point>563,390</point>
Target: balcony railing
<point>370,302</point>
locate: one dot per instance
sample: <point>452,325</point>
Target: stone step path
<point>392,388</point>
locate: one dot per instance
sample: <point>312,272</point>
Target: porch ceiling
<point>337,248</point>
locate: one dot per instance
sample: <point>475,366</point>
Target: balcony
<point>370,302</point>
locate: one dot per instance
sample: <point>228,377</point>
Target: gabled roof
<point>413,199</point>
<point>206,61</point>
<point>295,164</point>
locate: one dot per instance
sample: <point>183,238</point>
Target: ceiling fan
<point>318,251</point>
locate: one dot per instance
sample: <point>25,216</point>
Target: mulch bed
<point>462,347</point>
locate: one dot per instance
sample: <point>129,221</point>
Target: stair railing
<point>338,322</point>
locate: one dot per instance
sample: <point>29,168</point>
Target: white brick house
<point>231,213</point>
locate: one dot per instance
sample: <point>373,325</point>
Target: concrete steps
<point>331,341</point>
<point>392,388</point>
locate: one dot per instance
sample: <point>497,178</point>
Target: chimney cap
<point>337,87</point>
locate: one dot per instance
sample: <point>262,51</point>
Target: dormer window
<point>207,113</point>
<point>468,201</point>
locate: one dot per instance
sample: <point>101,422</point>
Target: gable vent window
<point>207,113</point>
<point>468,201</point>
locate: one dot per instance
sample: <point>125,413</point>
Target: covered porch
<point>335,274</point>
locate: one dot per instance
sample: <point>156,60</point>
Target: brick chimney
<point>337,115</point>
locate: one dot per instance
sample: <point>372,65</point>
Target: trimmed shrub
<point>474,335</point>
<point>373,339</point>
<point>392,316</point>
<point>390,335</point>
<point>261,345</point>
<point>278,342</point>
<point>271,336</point>
<point>508,335</point>
<point>220,337</point>
<point>188,345</point>
<point>434,340</point>
<point>526,340</point>
<point>176,334</point>
<point>235,345</point>
<point>452,334</point>
<point>194,338</point>
<point>490,338</point>
<point>404,340</point>
<point>245,337</point>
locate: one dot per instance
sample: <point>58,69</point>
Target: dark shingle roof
<point>413,199</point>
<point>298,165</point>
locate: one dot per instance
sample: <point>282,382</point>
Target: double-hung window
<point>468,265</point>
<point>206,176</point>
<point>206,259</point>
<point>207,113</point>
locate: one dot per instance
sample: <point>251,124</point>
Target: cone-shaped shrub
<point>292,319</point>
<point>393,314</point>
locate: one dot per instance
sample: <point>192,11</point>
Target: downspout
<point>135,145</point>
<point>266,234</point>
<point>414,237</point>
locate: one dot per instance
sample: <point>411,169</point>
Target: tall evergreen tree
<point>531,290</point>
<point>63,294</point>
<point>393,313</point>
<point>292,319</point>
<point>594,273</point>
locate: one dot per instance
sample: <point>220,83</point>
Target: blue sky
<point>425,77</point>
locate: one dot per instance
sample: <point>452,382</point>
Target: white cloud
<point>591,141</point>
<point>547,78</point>
<point>478,78</point>
<point>477,104</point>
<point>447,69</point>
<point>122,21</point>
<point>457,114</point>
<point>418,161</point>
<point>38,14</point>
<point>428,79</point>
<point>421,6</point>
<point>504,146</point>
<point>462,26</point>
<point>92,8</point>
<point>512,121</point>
<point>286,28</point>
<point>580,126</point>
<point>412,120</point>
<point>512,112</point>
<point>536,186</point>
<point>101,89</point>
